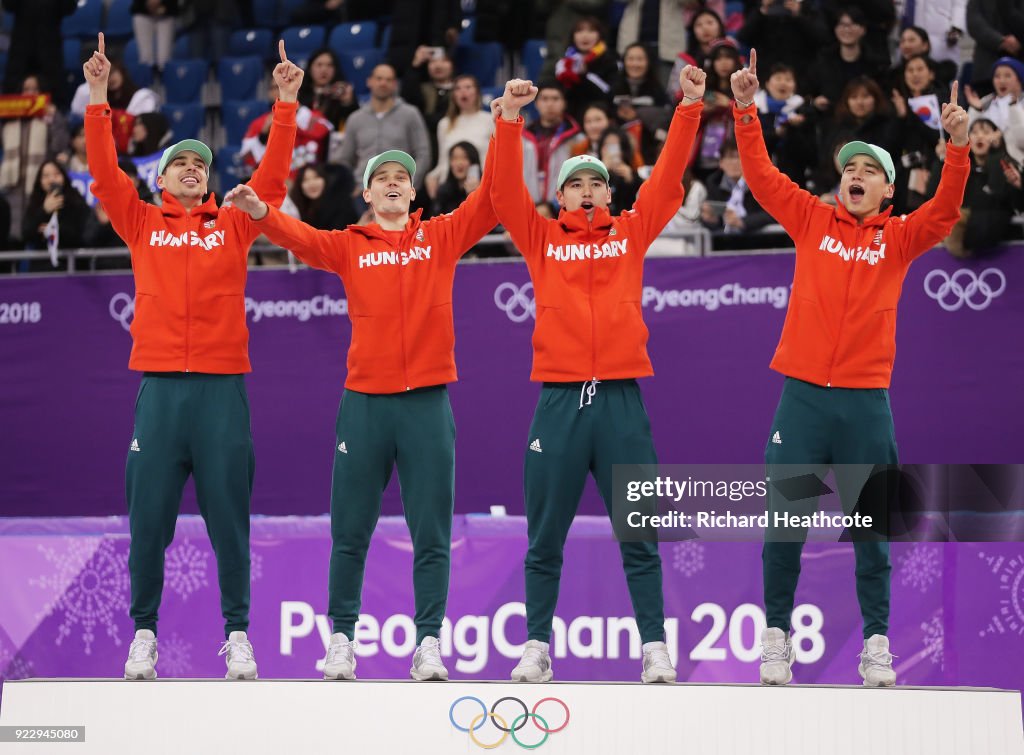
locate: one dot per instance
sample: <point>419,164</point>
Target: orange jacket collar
<point>374,231</point>
<point>844,216</point>
<point>576,222</point>
<point>172,208</point>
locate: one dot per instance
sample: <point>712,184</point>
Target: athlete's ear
<point>412,195</point>
<point>160,182</point>
<point>560,197</point>
<point>890,190</point>
<point>366,196</point>
<point>608,191</point>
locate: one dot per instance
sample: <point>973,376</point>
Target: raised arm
<point>268,181</point>
<point>111,186</point>
<point>324,250</point>
<point>512,202</point>
<point>790,205</point>
<point>661,195</point>
<point>932,221</point>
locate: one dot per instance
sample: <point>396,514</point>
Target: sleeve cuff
<point>102,109</point>
<point>958,155</point>
<point>285,108</point>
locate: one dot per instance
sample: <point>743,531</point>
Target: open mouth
<point>190,181</point>
<point>856,192</point>
<point>392,195</point>
<point>587,205</point>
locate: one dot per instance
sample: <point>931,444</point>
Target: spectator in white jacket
<point>944,20</point>
<point>465,122</point>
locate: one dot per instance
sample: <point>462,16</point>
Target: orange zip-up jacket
<point>840,327</point>
<point>398,285</point>
<point>588,276</point>
<point>190,266</point>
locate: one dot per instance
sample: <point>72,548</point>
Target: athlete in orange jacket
<point>190,340</point>
<point>587,270</point>
<point>837,349</point>
<point>398,275</point>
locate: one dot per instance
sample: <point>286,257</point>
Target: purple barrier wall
<point>957,610</point>
<point>66,395</point>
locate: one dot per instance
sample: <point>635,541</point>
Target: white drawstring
<point>589,389</point>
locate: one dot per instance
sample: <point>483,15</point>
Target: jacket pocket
<point>886,324</point>
<point>805,336</point>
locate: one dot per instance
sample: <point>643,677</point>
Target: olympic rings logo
<point>478,721</point>
<point>518,303</point>
<point>965,287</point>
<point>122,309</point>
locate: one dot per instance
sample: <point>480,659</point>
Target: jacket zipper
<point>188,296</point>
<point>401,315</point>
<point>593,320</point>
<point>839,333</point>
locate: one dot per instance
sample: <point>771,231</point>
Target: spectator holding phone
<point>464,122</point>
<point>53,194</point>
<point>325,89</point>
<point>616,151</point>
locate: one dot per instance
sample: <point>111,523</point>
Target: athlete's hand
<point>97,71</point>
<point>692,81</point>
<point>954,119</point>
<point>518,94</point>
<point>245,199</point>
<point>495,107</point>
<point>287,76</point>
<point>744,81</point>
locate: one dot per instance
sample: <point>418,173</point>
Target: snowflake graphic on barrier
<point>688,557</point>
<point>185,569</point>
<point>96,575</point>
<point>19,668</point>
<point>921,567</point>
<point>175,655</point>
<point>1009,575</point>
<point>934,632</point>
<point>255,567</point>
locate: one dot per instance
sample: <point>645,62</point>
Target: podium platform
<point>280,716</point>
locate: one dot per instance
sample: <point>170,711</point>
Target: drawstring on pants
<point>589,389</point>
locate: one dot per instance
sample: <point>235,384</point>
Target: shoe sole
<point>658,679</point>
<point>434,676</point>
<point>141,677</point>
<point>340,678</point>
<point>241,677</point>
<point>868,684</point>
<point>547,676</point>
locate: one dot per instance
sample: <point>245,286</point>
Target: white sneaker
<point>876,662</point>
<point>777,656</point>
<point>657,665</point>
<point>340,663</point>
<point>142,655</point>
<point>240,661</point>
<point>535,665</point>
<point>426,662</point>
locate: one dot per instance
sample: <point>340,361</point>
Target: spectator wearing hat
<point>1007,90</point>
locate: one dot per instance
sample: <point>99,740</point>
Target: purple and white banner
<point>66,395</point>
<point>957,609</point>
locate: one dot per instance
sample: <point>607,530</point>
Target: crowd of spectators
<point>831,71</point>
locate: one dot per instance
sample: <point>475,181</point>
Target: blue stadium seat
<point>237,115</point>
<point>285,9</point>
<point>490,93</point>
<point>483,61</point>
<point>301,41</point>
<point>182,49</point>
<point>186,120</point>
<point>467,35</point>
<point>231,171</point>
<point>259,42</point>
<point>119,20</point>
<point>72,55</point>
<point>131,52</point>
<point>141,75</point>
<point>357,66</point>
<point>85,21</point>
<point>264,13</point>
<point>385,37</point>
<point>239,77</point>
<point>183,80</point>
<point>534,52</point>
<point>353,36</point>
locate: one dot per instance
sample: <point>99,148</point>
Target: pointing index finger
<point>281,52</point>
<point>952,93</point>
<point>101,45</point>
<point>753,61</point>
